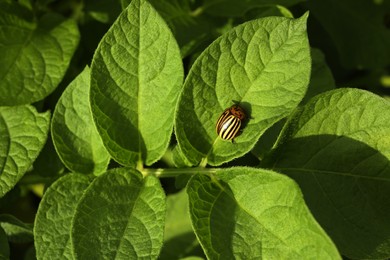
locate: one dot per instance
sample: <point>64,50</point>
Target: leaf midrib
<point>139,96</point>
<point>128,217</point>
<point>8,146</point>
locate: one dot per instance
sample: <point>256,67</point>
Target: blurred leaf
<point>125,3</point>
<point>30,254</point>
<point>4,247</point>
<point>357,29</point>
<point>23,132</point>
<point>179,238</point>
<point>34,54</point>
<point>74,134</point>
<point>263,64</point>
<point>102,10</point>
<point>255,214</point>
<point>120,216</point>
<point>26,3</point>
<point>16,230</point>
<point>136,77</point>
<point>44,2</point>
<point>54,217</point>
<point>337,148</point>
<point>190,29</point>
<point>267,10</point>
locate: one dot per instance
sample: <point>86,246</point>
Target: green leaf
<point>34,55</point>
<point>238,8</point>
<point>337,148</point>
<point>179,238</point>
<point>136,77</point>
<point>53,222</point>
<point>74,134</point>
<point>357,29</point>
<point>16,230</point>
<point>120,216</point>
<point>4,247</point>
<point>263,64</point>
<point>255,214</point>
<point>23,132</point>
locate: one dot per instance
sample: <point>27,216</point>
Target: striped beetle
<point>229,123</point>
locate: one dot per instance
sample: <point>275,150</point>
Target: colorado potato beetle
<point>229,123</point>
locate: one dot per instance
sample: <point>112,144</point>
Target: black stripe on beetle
<point>229,123</point>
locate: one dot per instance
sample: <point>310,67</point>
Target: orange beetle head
<point>238,112</point>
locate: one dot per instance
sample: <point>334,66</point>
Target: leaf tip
<point>304,16</point>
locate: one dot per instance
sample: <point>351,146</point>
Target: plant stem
<point>166,173</point>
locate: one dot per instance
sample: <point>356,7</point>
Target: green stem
<point>171,172</point>
<point>78,11</point>
<point>198,11</point>
<point>140,165</point>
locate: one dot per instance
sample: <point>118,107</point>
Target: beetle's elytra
<point>229,123</point>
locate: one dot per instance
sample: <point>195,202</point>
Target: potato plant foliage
<point>108,141</point>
